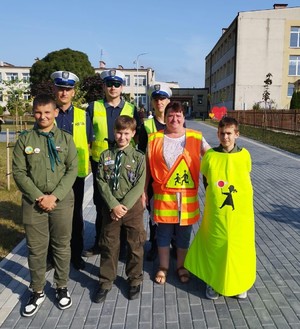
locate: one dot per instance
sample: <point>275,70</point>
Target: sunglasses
<point>116,84</point>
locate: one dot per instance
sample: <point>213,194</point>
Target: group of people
<point>154,164</point>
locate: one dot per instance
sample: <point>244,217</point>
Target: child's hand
<point>47,202</point>
<point>118,212</point>
<point>144,200</point>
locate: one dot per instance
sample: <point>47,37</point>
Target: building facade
<point>255,44</point>
<point>137,82</point>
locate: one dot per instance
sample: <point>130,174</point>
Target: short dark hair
<point>175,106</point>
<point>43,99</point>
<point>228,121</point>
<point>125,122</point>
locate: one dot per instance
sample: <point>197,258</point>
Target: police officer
<point>78,123</point>
<point>103,114</point>
<point>45,168</point>
<point>160,94</point>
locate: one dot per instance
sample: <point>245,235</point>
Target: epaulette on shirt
<point>23,132</point>
<point>65,131</point>
<point>140,151</point>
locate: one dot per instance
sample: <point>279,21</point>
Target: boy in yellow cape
<point>222,253</point>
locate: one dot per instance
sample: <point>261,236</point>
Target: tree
<point>295,101</point>
<point>61,60</point>
<point>93,88</point>
<point>266,93</point>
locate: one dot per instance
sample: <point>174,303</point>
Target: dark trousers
<point>78,224</point>
<point>152,227</point>
<point>98,202</point>
<point>133,225</point>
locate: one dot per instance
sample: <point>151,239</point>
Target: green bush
<point>295,101</point>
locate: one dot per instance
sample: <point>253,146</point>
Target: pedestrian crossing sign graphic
<point>180,178</point>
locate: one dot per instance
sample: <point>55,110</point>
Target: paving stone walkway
<point>273,302</point>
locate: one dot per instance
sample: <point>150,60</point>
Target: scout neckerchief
<point>53,154</point>
<point>117,170</point>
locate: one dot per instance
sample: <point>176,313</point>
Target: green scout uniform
<point>131,187</point>
<point>35,177</point>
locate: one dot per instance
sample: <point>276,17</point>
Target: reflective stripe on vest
<point>100,126</point>
<point>165,202</point>
<point>81,142</point>
<point>149,125</point>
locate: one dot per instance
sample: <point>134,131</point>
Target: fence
<point>287,120</point>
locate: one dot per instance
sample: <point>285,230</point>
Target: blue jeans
<point>165,232</point>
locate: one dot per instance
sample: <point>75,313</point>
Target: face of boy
<point>123,137</point>
<point>227,136</point>
<point>45,116</point>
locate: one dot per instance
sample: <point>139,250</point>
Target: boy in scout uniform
<point>45,168</point>
<point>121,179</point>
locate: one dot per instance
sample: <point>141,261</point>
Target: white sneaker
<point>243,295</point>
<point>210,293</point>
<point>33,304</point>
<point>63,297</point>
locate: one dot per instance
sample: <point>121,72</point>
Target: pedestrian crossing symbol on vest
<point>180,177</point>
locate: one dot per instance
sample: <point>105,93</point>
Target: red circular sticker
<point>221,183</point>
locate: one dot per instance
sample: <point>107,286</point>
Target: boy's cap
<point>160,89</point>
<point>113,75</point>
<point>64,79</point>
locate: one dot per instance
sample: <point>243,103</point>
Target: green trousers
<point>42,228</point>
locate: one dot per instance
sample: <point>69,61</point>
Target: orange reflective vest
<point>165,187</point>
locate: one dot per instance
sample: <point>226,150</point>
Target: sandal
<point>184,277</point>
<point>161,275</point>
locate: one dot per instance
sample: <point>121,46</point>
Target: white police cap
<point>160,89</point>
<point>64,79</point>
<point>113,75</point>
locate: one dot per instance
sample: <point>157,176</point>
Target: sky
<point>174,36</point>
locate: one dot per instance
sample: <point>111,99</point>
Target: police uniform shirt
<point>131,180</point>
<point>111,114</point>
<point>31,164</point>
<point>65,119</point>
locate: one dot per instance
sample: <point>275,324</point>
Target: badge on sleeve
<point>29,150</point>
<point>37,150</point>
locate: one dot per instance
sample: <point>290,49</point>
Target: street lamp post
<point>137,77</point>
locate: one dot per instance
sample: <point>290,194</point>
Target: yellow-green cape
<point>222,253</point>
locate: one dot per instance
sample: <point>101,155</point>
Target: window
<point>26,77</point>
<point>294,65</point>
<point>142,99</point>
<point>127,80</point>
<point>26,96</point>
<point>200,99</point>
<point>295,37</point>
<point>291,87</point>
<point>140,81</point>
<point>12,76</point>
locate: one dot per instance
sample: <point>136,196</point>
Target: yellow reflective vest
<point>182,178</point>
<point>81,142</point>
<point>149,125</point>
<point>100,127</point>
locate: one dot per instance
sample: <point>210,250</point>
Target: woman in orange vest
<point>174,163</point>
